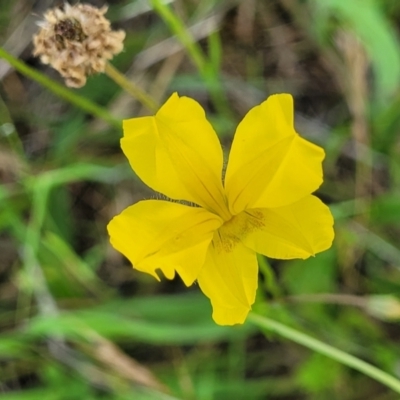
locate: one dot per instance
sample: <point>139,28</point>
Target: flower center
<point>68,29</point>
<point>232,232</point>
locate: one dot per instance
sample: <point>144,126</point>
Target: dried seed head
<point>77,41</point>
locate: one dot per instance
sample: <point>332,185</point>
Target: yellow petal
<point>177,152</point>
<point>229,279</point>
<point>155,234</point>
<point>270,165</point>
<point>299,230</point>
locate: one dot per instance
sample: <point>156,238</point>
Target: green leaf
<point>368,22</point>
<point>314,275</point>
<point>156,320</point>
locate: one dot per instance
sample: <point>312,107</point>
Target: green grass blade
<point>60,90</point>
<point>327,350</point>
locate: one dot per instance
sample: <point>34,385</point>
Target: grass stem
<point>326,349</point>
<point>131,88</point>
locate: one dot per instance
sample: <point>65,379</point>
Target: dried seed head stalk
<point>77,41</point>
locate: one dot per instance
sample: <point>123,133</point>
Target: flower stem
<point>327,350</point>
<point>60,90</point>
<point>209,74</point>
<point>131,88</point>
<point>9,131</point>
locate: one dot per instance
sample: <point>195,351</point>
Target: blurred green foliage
<point>76,322</point>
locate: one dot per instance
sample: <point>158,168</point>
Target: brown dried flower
<point>77,41</point>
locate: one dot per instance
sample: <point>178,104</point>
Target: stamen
<point>239,226</point>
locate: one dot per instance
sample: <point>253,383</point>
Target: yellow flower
<point>264,203</point>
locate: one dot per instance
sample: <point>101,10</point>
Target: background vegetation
<point>76,322</point>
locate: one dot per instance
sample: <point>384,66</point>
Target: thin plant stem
<point>357,98</point>
<point>60,90</point>
<point>177,26</point>
<point>9,131</point>
<point>325,349</point>
<point>331,298</point>
<point>269,275</point>
<point>207,71</point>
<point>131,88</point>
